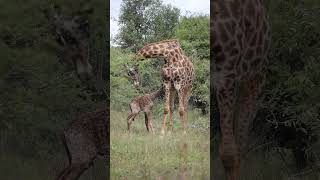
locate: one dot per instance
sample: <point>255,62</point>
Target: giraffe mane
<point>164,41</point>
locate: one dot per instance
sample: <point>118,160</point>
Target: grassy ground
<point>145,156</point>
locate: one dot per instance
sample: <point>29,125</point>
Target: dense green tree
<point>144,21</point>
<point>194,35</point>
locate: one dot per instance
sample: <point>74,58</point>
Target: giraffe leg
<point>167,88</point>
<point>146,120</point>
<point>248,96</point>
<point>65,172</point>
<point>149,117</point>
<point>75,171</point>
<point>130,119</point>
<point>80,156</point>
<point>183,97</point>
<point>172,96</point>
<point>228,150</point>
<point>186,103</point>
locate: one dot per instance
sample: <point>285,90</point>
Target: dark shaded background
<point>40,89</point>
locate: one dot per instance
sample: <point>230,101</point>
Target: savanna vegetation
<point>141,155</point>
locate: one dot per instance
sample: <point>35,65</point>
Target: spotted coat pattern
<point>177,76</point>
<point>85,138</point>
<point>240,42</point>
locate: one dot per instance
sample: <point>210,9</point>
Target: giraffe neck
<point>168,49</point>
<point>156,94</point>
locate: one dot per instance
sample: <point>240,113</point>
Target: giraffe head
<point>158,49</point>
<point>133,74</point>
<point>73,33</point>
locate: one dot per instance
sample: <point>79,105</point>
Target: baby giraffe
<point>144,103</point>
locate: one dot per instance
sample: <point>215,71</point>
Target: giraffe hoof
<point>184,132</point>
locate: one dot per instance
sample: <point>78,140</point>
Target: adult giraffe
<point>177,75</point>
<point>241,39</point>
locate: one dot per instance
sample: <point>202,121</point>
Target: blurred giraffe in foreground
<point>241,40</point>
<point>85,138</point>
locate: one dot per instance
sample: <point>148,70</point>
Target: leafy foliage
<point>144,21</point>
<point>193,32</point>
<point>292,100</point>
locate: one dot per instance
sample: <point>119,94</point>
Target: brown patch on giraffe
<point>260,40</point>
<point>234,8</point>
<point>224,13</point>
<point>249,54</point>
<point>174,60</point>
<point>244,67</point>
<point>155,47</point>
<point>264,27</point>
<point>147,48</point>
<point>231,76</point>
<point>231,64</point>
<point>223,33</point>
<point>266,46</point>
<point>228,81</point>
<point>250,9</point>
<point>230,45</point>
<point>259,50</point>
<point>146,55</point>
<point>222,92</point>
<point>218,68</point>
<point>256,62</point>
<point>231,27</point>
<point>239,38</point>
<point>258,21</point>
<point>234,52</point>
<point>253,39</point>
<point>248,27</point>
<point>220,58</point>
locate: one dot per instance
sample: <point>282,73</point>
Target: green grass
<point>141,155</point>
